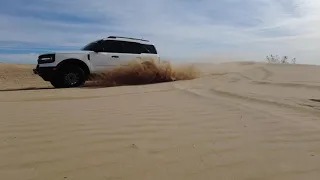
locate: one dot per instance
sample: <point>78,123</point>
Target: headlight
<point>46,58</point>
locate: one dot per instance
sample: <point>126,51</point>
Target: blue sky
<point>183,30</point>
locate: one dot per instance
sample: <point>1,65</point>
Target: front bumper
<point>46,73</point>
<point>35,71</point>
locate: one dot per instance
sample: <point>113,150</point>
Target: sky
<point>182,30</point>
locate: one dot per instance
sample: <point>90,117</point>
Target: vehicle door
<point>107,55</point>
<point>131,52</point>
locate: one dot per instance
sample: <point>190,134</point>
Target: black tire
<point>68,77</point>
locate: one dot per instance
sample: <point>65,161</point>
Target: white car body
<point>72,69</point>
<point>99,61</point>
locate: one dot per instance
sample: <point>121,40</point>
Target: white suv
<point>72,69</point>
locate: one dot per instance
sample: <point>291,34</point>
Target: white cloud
<point>250,28</point>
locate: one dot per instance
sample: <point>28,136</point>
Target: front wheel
<point>55,83</point>
<point>69,77</point>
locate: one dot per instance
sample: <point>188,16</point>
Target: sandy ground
<point>239,121</point>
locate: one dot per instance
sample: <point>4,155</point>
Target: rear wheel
<point>68,77</point>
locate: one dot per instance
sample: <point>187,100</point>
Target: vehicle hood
<point>72,52</point>
<point>66,52</point>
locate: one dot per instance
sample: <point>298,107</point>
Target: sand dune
<point>240,120</point>
<point>19,76</point>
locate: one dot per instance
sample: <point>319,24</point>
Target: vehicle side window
<point>93,46</point>
<point>112,46</point>
<point>132,48</point>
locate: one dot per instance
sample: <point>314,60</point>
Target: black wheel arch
<point>75,62</point>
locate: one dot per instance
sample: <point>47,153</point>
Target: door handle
<point>115,56</point>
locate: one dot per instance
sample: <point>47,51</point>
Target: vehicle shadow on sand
<point>51,88</point>
<point>26,89</point>
<point>89,85</point>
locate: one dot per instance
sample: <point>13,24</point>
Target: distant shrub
<point>277,59</point>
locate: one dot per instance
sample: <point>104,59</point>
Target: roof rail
<point>127,38</point>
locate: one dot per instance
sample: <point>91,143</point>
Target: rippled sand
<point>239,121</point>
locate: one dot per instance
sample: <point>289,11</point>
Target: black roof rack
<point>127,38</point>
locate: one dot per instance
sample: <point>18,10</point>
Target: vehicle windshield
<point>90,46</point>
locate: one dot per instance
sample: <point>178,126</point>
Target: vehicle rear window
<point>150,49</point>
